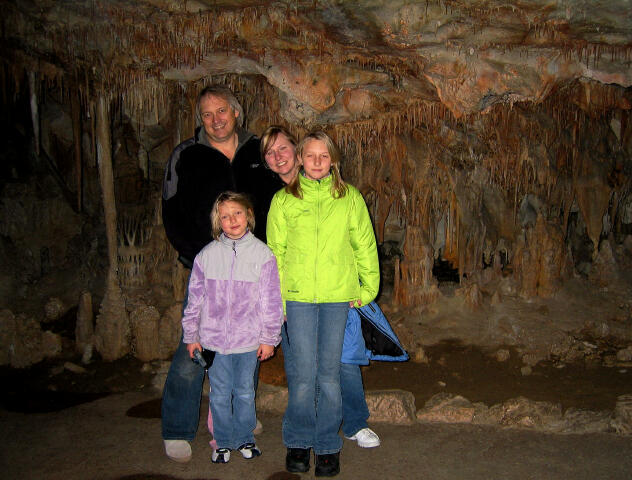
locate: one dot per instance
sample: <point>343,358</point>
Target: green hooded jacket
<point>325,247</point>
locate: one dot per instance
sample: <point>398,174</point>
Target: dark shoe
<point>297,460</point>
<point>328,465</point>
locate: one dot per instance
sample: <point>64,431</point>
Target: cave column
<point>106,177</point>
<point>112,326</point>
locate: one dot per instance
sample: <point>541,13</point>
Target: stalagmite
<point>112,326</point>
<point>145,322</point>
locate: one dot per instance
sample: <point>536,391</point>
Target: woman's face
<point>316,159</point>
<point>281,157</point>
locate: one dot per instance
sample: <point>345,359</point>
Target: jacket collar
<point>309,184</point>
<point>247,238</point>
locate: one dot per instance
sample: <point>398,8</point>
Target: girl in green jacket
<point>321,234</point>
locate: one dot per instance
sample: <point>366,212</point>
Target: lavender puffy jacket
<point>234,302</point>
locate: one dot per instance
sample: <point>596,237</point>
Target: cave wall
<point>489,137</point>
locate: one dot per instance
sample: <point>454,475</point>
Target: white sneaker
<point>178,450</point>
<point>249,450</point>
<point>221,455</point>
<point>366,438</point>
<point>258,428</point>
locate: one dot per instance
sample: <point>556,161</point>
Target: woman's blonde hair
<point>241,199</point>
<point>269,137</point>
<point>338,186</point>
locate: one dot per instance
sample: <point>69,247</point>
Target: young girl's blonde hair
<point>241,199</point>
<point>338,186</point>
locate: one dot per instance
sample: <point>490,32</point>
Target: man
<point>221,156</point>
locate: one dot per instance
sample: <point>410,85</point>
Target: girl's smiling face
<point>233,218</point>
<point>316,159</point>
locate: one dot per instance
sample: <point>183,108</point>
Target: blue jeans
<point>181,397</point>
<point>233,398</point>
<point>314,412</point>
<point>355,411</point>
<point>354,408</point>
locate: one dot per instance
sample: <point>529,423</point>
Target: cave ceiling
<point>331,62</point>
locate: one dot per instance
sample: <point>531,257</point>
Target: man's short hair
<point>224,93</point>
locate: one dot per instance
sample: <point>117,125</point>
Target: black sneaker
<point>328,465</point>
<point>297,460</point>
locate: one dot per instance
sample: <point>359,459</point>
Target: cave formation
<point>489,138</point>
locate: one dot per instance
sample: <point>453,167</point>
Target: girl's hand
<point>353,303</point>
<point>265,352</point>
<point>192,347</point>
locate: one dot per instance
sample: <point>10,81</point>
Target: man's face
<point>218,118</point>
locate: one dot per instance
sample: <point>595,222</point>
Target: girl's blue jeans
<point>315,332</point>
<point>233,398</point>
<point>355,411</point>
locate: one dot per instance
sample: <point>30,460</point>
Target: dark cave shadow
<point>152,408</point>
<point>45,401</point>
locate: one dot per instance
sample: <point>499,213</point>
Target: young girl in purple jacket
<point>235,310</point>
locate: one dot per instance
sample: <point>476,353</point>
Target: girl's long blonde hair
<point>338,186</point>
